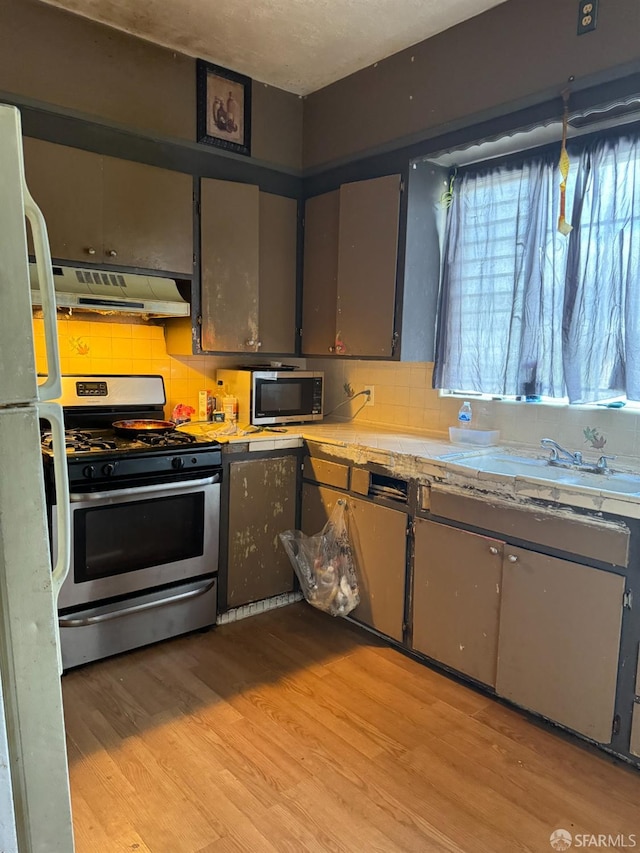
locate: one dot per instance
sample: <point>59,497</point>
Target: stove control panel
<point>151,466</point>
<point>92,389</point>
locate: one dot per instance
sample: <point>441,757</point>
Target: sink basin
<point>514,466</point>
<point>539,469</point>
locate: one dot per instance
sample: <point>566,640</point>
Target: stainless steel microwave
<point>268,397</point>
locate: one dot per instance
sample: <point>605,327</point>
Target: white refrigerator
<point>35,809</point>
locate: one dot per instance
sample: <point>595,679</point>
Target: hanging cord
<point>563,166</point>
<point>349,400</point>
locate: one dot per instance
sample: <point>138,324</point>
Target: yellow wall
<point>96,346</point>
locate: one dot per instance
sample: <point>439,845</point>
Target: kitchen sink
<point>540,469</point>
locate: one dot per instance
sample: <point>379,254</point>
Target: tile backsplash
<point>404,398</point>
<point>110,346</point>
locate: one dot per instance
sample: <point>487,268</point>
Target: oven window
<point>110,540</point>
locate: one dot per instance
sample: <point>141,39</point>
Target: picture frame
<point>223,108</point>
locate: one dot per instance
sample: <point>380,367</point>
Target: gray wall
<point>67,61</point>
<point>515,54</point>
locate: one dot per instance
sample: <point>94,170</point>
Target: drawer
<point>596,540</point>
<point>360,480</point>
<point>327,473</point>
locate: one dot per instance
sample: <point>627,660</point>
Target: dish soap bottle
<point>465,415</point>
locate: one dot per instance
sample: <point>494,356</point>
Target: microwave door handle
<point>51,388</point>
<point>52,412</point>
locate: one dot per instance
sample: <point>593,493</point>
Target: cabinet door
<point>456,598</point>
<point>66,184</point>
<point>148,217</point>
<point>367,259</point>
<point>559,640</point>
<point>277,276</point>
<point>379,541</point>
<point>229,230</point>
<point>320,279</point>
<point>262,503</point>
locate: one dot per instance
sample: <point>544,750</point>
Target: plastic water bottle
<point>465,415</point>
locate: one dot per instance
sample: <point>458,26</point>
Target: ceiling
<point>296,45</point>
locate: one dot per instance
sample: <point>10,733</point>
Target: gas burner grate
<point>166,439</point>
<point>78,441</point>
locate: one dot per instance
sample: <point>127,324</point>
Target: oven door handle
<point>180,486</point>
<point>52,412</point>
<point>84,622</point>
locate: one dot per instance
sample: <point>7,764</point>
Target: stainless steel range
<point>145,515</point>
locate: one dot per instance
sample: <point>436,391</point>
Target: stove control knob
<point>177,462</point>
<point>88,471</point>
<point>108,469</point>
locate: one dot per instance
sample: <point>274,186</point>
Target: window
<point>525,310</point>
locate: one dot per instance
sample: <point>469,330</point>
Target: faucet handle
<point>602,462</point>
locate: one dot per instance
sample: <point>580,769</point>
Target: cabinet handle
<point>332,349</point>
<point>258,343</point>
<point>112,253</point>
<point>512,558</point>
<point>493,549</point>
<point>249,343</point>
<point>90,251</point>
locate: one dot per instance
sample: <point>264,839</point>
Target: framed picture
<point>223,107</point>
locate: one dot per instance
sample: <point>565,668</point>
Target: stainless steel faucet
<point>602,464</point>
<point>559,454</point>
<point>562,457</point>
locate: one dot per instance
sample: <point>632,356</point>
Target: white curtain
<point>525,310</point>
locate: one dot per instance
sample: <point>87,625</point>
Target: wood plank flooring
<point>293,731</point>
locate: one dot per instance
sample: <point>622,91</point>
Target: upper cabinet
<point>248,270</point>
<point>277,273</point>
<point>350,264</point>
<point>229,234</point>
<point>105,210</point>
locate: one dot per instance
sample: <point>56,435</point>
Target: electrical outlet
<point>370,389</point>
<point>587,16</point>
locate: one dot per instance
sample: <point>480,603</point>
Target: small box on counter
<point>205,405</point>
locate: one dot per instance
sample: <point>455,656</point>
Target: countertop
<point>430,458</point>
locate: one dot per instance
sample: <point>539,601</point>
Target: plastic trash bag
<point>324,565</point>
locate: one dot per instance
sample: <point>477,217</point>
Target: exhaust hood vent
<point>112,292</point>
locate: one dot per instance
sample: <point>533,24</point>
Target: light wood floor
<point>293,731</point>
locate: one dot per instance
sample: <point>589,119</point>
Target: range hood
<point>112,292</point>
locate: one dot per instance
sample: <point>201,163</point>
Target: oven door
<point>139,538</point>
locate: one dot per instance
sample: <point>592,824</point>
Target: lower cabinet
<point>262,504</point>
<point>559,640</point>
<point>378,537</point>
<point>544,632</point>
<point>456,598</point>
